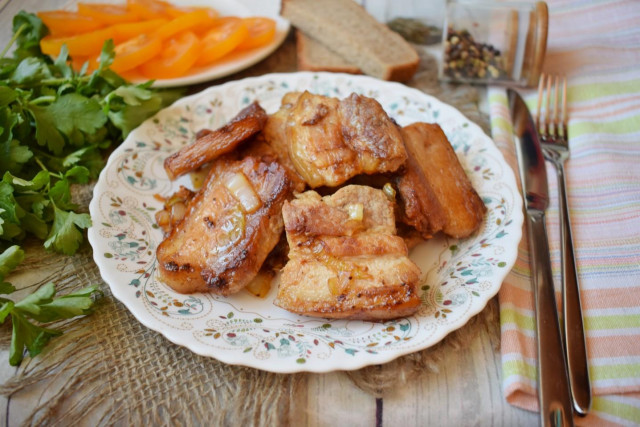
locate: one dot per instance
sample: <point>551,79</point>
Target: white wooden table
<point>466,391</point>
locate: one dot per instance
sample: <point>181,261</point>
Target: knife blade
<point>553,381</point>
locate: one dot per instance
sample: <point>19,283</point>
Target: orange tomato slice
<point>261,32</point>
<point>135,52</point>
<point>176,12</point>
<point>222,39</point>
<point>177,57</point>
<point>149,9</point>
<point>65,23</point>
<point>81,45</point>
<point>108,14</point>
<point>181,23</point>
<point>129,30</point>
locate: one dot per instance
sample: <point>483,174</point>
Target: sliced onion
<point>389,191</point>
<point>261,284</point>
<point>163,218</point>
<point>356,211</point>
<point>243,191</point>
<point>177,211</point>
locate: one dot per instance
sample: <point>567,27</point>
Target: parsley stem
<point>39,162</point>
<point>42,99</point>
<point>44,168</point>
<point>59,81</point>
<point>13,40</point>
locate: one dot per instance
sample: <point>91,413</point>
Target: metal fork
<point>552,121</point>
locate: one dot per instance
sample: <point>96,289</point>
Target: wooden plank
<point>467,390</point>
<point>333,400</point>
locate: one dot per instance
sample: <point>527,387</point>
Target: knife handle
<point>574,336</point>
<point>553,381</point>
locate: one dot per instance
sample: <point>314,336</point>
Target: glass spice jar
<point>494,42</point>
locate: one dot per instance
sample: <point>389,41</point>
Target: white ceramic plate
<point>460,276</point>
<point>233,62</point>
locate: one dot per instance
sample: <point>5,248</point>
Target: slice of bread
<point>314,56</point>
<point>347,29</point>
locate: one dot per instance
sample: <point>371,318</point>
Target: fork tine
<point>539,123</point>
<point>548,117</point>
<point>565,113</point>
<point>556,111</point>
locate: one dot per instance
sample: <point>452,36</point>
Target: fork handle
<point>573,328</point>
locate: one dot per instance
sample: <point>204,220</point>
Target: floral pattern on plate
<point>458,276</point>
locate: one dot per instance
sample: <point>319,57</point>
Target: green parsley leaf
<point>130,117</point>
<point>77,175</point>
<point>8,203</point>
<point>106,56</point>
<point>7,96</point>
<point>12,154</point>
<point>30,70</point>
<point>46,131</point>
<point>61,64</point>
<point>30,305</point>
<point>74,157</point>
<point>9,259</point>
<point>65,236</point>
<point>21,185</point>
<point>47,309</point>
<point>26,334</point>
<point>31,30</point>
<point>5,308</point>
<point>74,111</point>
<point>35,225</point>
<point>60,195</point>
<point>131,95</point>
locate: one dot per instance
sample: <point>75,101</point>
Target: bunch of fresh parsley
<point>55,124</point>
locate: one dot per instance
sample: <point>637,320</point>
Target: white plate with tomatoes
<point>174,44</point>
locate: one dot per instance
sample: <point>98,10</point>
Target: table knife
<point>553,381</point>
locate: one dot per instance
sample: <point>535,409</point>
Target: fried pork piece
<point>330,141</point>
<point>436,171</point>
<point>419,205</point>
<point>274,132</point>
<point>230,227</point>
<point>345,260</point>
<point>211,144</point>
<point>272,140</point>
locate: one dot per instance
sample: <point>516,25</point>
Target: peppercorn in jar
<point>494,43</point>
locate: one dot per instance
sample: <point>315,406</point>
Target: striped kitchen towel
<point>596,44</point>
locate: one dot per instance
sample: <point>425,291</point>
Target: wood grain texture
<point>466,391</point>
